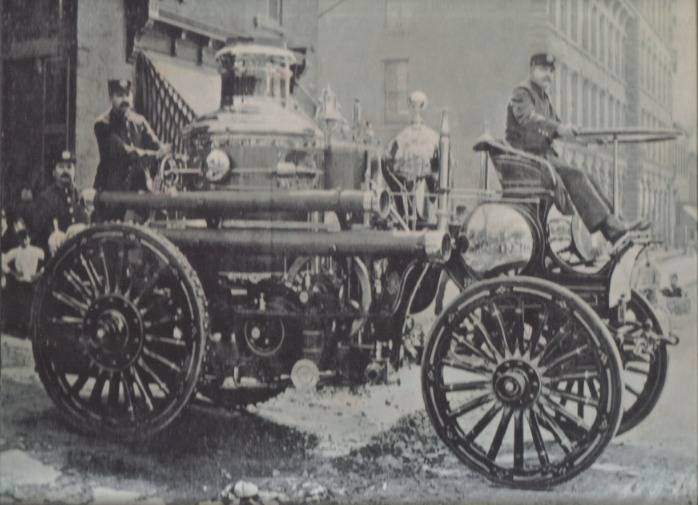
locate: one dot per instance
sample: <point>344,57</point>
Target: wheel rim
<point>119,331</point>
<point>645,363</point>
<point>499,378</point>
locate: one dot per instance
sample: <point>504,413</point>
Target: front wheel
<point>495,379</point>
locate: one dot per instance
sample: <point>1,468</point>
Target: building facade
<point>615,69</point>
<point>54,51</point>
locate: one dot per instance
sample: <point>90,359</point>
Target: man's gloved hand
<point>567,130</point>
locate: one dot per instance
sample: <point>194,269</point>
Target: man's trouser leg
<point>590,202</point>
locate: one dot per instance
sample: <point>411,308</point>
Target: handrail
<point>625,135</point>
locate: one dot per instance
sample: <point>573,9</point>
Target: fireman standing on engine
<point>127,144</point>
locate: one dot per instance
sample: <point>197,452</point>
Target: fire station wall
<point>466,55</point>
<point>101,54</point>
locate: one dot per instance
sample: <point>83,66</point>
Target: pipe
<point>444,173</point>
<point>434,246</point>
<point>218,203</point>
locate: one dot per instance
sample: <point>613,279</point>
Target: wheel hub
<point>516,383</point>
<point>114,332</point>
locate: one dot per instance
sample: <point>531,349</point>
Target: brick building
<point>616,63</point>
<point>58,54</point>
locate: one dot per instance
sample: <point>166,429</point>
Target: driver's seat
<point>520,174</point>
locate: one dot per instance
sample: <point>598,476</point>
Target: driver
<point>531,126</point>
<point>127,143</point>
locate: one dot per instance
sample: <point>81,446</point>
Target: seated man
<point>532,124</point>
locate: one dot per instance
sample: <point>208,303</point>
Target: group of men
<point>127,144</point>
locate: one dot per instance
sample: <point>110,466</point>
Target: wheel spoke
<point>577,351</point>
<point>75,281</point>
<point>164,340</point>
<point>568,395</point>
<point>461,339</point>
<point>518,441</point>
<point>567,414</point>
<point>483,422</point>
<point>152,281</point>
<point>79,383</point>
<point>635,369</point>
<point>91,274</point>
<point>499,434</point>
<point>113,398</point>
<point>163,321</point>
<point>123,263</point>
<point>586,374</point>
<point>580,405</point>
<point>129,396</point>
<point>465,386</point>
<point>537,438</point>
<point>521,321</point>
<point>96,393</point>
<point>633,390</point>
<point>592,389</point>
<point>71,302</point>
<point>161,359</point>
<point>561,333</point>
<point>144,389</point>
<point>507,345</point>
<point>486,337</point>
<point>538,331</point>
<point>107,287</point>
<point>147,369</point>
<point>460,363</point>
<point>471,405</point>
<point>557,431</point>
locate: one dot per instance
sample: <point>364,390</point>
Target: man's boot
<point>613,228</point>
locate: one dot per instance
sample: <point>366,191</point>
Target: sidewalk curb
<point>15,352</point>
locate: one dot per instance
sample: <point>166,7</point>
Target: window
<point>619,52</point>
<point>585,104</point>
<point>609,40</point>
<point>563,16</point>
<point>594,108</point>
<point>611,104</point>
<point>552,12</point>
<point>396,85</point>
<point>574,98</point>
<point>602,110</point>
<point>564,97</point>
<point>602,40</point>
<point>276,10</point>
<point>585,24</point>
<point>574,20</point>
<point>594,29</point>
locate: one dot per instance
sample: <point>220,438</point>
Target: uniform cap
<point>543,59</point>
<point>122,85</point>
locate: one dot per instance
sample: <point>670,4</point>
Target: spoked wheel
<point>496,378</point>
<point>645,361</point>
<point>119,330</point>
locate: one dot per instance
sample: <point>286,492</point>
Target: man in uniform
<point>532,124</point>
<point>127,143</point>
<point>58,206</point>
